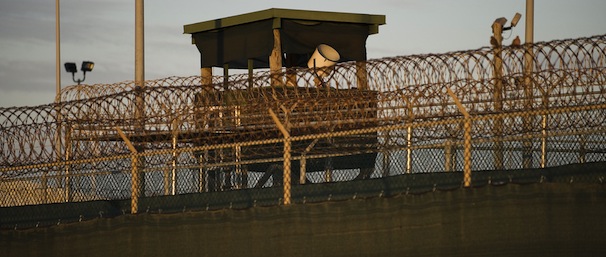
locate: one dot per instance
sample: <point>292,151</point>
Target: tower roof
<point>237,39</point>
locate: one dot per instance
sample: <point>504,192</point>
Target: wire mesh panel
<point>381,118</point>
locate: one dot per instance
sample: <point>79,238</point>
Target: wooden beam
<point>207,76</point>
<point>275,60</point>
<point>226,76</point>
<point>362,75</point>
<point>251,64</point>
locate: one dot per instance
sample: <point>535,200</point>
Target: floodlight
<point>87,66</point>
<point>515,20</point>
<point>71,67</point>
<point>322,61</point>
<point>501,21</point>
<point>323,56</point>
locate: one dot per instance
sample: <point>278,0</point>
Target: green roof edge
<point>273,13</point>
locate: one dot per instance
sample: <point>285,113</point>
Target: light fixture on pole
<point>496,40</point>
<point>322,61</point>
<point>498,26</point>
<point>87,66</point>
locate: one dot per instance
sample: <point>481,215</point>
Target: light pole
<point>57,52</point>
<point>87,66</point>
<point>529,88</point>
<point>498,26</point>
<point>57,97</point>
<point>138,177</point>
<point>70,67</point>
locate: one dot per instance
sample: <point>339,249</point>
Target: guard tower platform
<point>284,40</point>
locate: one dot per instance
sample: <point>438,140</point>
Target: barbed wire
<point>379,92</point>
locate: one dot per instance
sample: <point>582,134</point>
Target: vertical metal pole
<point>287,173</point>
<point>528,83</point>
<point>138,180</point>
<point>582,148</point>
<point>175,134</point>
<point>135,185</point>
<point>251,63</point>
<point>216,175</point>
<point>527,145</point>
<point>303,169</point>
<point>448,153</point>
<point>544,133</point>
<point>529,38</point>
<point>202,187</point>
<point>386,160</point>
<point>238,153</point>
<point>466,139</point>
<point>166,180</point>
<point>467,152</point>
<point>225,119</point>
<point>287,154</point>
<point>225,76</point>
<point>134,199</point>
<point>328,168</point>
<point>93,180</point>
<point>173,174</point>
<point>497,30</point>
<point>68,150</point>
<point>409,150</point>
<point>139,43</point>
<point>57,97</point>
<point>57,51</point>
<point>303,162</point>
<point>287,147</point>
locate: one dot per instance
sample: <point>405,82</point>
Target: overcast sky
<point>102,31</point>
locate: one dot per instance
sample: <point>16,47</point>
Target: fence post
<point>303,165</point>
<point>135,174</point>
<point>202,159</point>
<point>173,170</point>
<point>135,185</point>
<point>449,155</point>
<point>582,148</point>
<point>287,147</point>
<point>466,139</point>
<point>175,156</point>
<point>467,152</point>
<point>544,141</point>
<point>529,85</point>
<point>68,151</point>
<point>545,103</point>
<point>409,150</point>
<point>497,29</point>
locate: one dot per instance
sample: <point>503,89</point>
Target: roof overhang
<point>276,14</point>
<point>247,40</point>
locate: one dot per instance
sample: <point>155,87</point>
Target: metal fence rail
<point>411,114</point>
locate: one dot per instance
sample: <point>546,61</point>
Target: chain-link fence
<point>446,117</point>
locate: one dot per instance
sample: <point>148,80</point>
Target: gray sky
<point>102,31</point>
